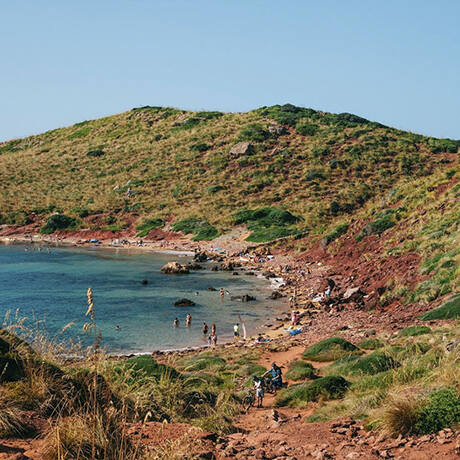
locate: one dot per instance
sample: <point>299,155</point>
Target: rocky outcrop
<point>174,268</point>
<point>242,148</point>
<point>184,303</point>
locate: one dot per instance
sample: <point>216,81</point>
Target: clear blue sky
<point>396,61</point>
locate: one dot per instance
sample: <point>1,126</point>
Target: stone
<point>242,148</point>
<point>184,303</point>
<point>173,268</point>
<point>276,295</point>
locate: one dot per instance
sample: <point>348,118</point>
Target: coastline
<point>182,248</point>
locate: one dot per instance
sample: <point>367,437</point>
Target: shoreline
<point>274,283</point>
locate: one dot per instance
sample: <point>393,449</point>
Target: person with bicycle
<point>277,378</point>
<point>258,387</point>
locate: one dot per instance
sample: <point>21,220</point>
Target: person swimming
<point>176,322</point>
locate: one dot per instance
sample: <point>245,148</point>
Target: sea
<point>46,290</point>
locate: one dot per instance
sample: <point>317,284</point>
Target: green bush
<point>330,387</point>
<point>253,133</point>
<point>146,225</point>
<point>200,147</point>
<point>371,344</point>
<point>378,226</point>
<point>95,153</point>
<point>58,222</point>
<point>300,370</point>
<point>413,331</point>
<point>315,174</point>
<point>306,129</point>
<point>201,380</point>
<point>201,362</point>
<point>330,349</point>
<point>264,217</point>
<point>440,410</point>
<point>212,189</point>
<point>448,310</point>
<point>371,364</point>
<point>337,231</point>
<point>202,229</point>
<point>143,366</point>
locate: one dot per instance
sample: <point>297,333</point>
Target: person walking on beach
<point>236,331</point>
<point>204,328</point>
<point>188,320</point>
<point>176,322</point>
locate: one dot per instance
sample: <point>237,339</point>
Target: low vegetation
<point>330,349</point>
<point>448,310</point>
<point>300,370</point>
<point>330,387</point>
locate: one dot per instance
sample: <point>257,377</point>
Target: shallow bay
<point>50,286</point>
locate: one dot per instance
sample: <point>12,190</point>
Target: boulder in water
<point>174,268</point>
<point>184,303</point>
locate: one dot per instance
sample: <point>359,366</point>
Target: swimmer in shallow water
<point>176,322</point>
<point>188,320</point>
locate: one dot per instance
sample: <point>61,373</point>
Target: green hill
<point>161,162</point>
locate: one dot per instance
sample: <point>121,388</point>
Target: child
<point>259,390</point>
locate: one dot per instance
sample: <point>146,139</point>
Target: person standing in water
<point>236,331</point>
<point>222,293</point>
<point>213,329</point>
<point>176,322</point>
<point>188,320</point>
<point>204,328</point>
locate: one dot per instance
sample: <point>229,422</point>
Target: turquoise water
<point>51,287</point>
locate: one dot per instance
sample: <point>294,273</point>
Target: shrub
<point>371,344</point>
<point>58,222</point>
<point>253,133</point>
<point>314,174</point>
<point>95,153</point>
<point>201,362</point>
<point>448,310</point>
<point>146,225</point>
<point>330,349</point>
<point>269,234</point>
<point>141,367</point>
<point>335,233</point>
<point>300,370</point>
<point>371,364</point>
<point>330,387</point>
<point>413,331</point>
<point>264,217</point>
<point>200,147</point>
<point>378,226</point>
<point>212,189</point>
<point>201,380</point>
<point>202,229</point>
<point>306,129</point>
<point>440,410</point>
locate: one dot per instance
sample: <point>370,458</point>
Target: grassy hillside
<point>159,162</point>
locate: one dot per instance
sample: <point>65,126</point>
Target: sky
<point>396,62</point>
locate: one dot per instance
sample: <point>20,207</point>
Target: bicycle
<point>249,399</point>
